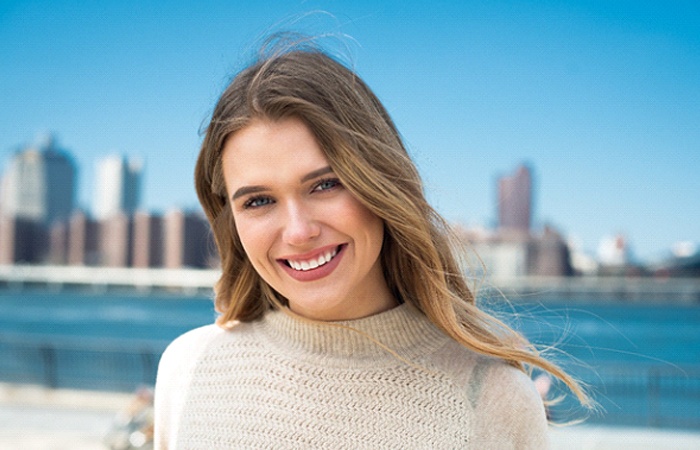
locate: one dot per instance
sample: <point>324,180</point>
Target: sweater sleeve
<point>172,382</point>
<point>509,412</point>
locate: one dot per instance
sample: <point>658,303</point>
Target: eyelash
<point>251,202</point>
<point>334,181</point>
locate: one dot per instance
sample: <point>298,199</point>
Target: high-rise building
<point>187,240</point>
<point>115,236</point>
<point>549,255</point>
<point>118,187</point>
<point>515,201</point>
<point>58,243</point>
<point>83,240</point>
<point>23,241</point>
<point>39,184</point>
<point>147,240</point>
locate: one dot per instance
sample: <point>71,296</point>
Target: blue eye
<point>257,202</point>
<point>327,184</point>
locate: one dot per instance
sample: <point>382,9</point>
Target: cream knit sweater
<point>283,383</point>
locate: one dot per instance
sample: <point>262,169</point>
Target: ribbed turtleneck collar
<point>403,329</point>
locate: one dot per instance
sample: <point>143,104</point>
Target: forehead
<point>267,151</point>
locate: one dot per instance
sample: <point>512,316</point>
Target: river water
<point>642,361</point>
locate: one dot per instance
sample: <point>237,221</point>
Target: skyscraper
<point>83,240</point>
<point>186,239</point>
<point>118,187</point>
<point>39,184</point>
<point>147,240</point>
<point>114,243</point>
<point>515,201</point>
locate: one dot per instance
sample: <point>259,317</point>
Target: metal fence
<point>631,395</point>
<point>648,395</point>
<point>89,363</point>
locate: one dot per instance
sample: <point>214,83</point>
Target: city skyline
<point>39,224</point>
<point>602,100</point>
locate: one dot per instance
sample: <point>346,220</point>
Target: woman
<point>346,320</point>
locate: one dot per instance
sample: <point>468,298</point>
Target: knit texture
<point>284,383</point>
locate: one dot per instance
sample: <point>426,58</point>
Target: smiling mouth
<point>313,263</point>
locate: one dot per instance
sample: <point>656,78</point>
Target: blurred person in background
<point>133,426</point>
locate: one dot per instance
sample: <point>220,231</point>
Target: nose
<point>300,226</point>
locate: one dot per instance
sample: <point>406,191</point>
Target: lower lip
<point>317,273</point>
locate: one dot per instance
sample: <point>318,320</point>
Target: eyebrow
<point>247,190</point>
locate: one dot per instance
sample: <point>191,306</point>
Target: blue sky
<point>601,98</point>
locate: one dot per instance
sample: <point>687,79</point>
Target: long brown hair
<point>420,253</point>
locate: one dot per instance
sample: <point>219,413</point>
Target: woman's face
<point>304,233</point>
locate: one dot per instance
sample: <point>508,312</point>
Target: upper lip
<point>309,255</point>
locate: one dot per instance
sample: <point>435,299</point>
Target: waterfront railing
<point>192,281</point>
<point>92,363</point>
<point>630,394</point>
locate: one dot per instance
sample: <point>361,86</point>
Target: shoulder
<point>191,342</point>
<point>175,371</point>
<point>182,355</point>
<point>180,358</point>
<point>479,375</point>
<point>507,407</point>
<point>499,378</point>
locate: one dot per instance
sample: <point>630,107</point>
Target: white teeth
<point>313,263</point>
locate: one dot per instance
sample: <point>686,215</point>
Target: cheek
<point>250,238</point>
<point>256,248</point>
<point>369,223</point>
